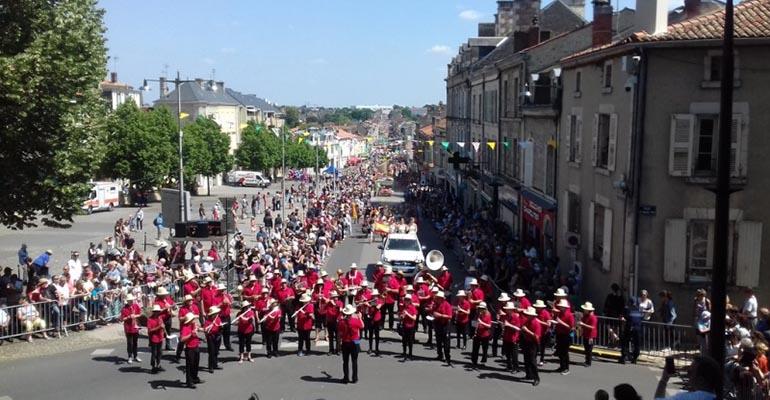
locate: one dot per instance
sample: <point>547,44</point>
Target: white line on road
<point>98,352</point>
<point>5,398</point>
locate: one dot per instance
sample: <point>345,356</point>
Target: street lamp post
<point>283,177</point>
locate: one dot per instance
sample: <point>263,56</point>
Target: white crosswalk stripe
<point>99,352</point>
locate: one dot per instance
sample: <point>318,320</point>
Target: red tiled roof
<point>427,131</point>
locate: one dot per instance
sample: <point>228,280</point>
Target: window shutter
<point>607,243</point>
<point>612,148</point>
<point>529,163</point>
<point>736,164</point>
<point>749,252</point>
<point>564,211</point>
<point>680,152</point>
<point>675,252</point>
<point>568,138</point>
<point>591,222</point>
<point>595,140</point>
<point>578,139</point>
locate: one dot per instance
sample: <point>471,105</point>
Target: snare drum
<point>172,341</point>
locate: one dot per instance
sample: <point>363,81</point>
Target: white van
<point>103,196</point>
<point>402,252</point>
<point>247,178</point>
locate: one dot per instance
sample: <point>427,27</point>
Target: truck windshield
<point>403,244</point>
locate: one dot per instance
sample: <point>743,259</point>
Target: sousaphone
<point>434,260</point>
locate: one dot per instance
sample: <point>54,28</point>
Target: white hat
<point>188,297</point>
<point>408,296</point>
<point>130,297</point>
<point>349,310</point>
<point>207,279</point>
<point>587,306</point>
<point>213,310</point>
<point>474,282</point>
<point>283,280</point>
<point>365,283</point>
<point>375,292</point>
<point>388,271</point>
<point>560,293</point>
<point>539,304</point>
<point>253,278</point>
<point>156,308</point>
<point>482,305</point>
<point>353,266</point>
<point>509,306</point>
<point>319,281</point>
<point>409,287</point>
<point>265,290</point>
<point>301,273</point>
<point>197,258</point>
<point>49,251</point>
<point>530,311</point>
<point>162,291</point>
<point>519,293</point>
<point>444,268</point>
<point>245,303</point>
<point>461,293</point>
<point>484,277</point>
<point>305,298</point>
<point>439,294</point>
<point>324,273</point>
<point>504,297</point>
<point>188,317</point>
<point>221,286</point>
<point>419,280</point>
<point>563,303</point>
<point>162,244</point>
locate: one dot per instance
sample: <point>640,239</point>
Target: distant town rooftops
<point>200,91</point>
<point>250,100</point>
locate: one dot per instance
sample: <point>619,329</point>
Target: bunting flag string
<point>430,142</point>
<point>492,144</point>
<point>445,145</point>
<point>461,144</point>
<point>476,146</point>
<point>506,143</point>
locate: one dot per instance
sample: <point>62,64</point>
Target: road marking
<point>98,352</point>
<point>288,345</point>
<point>6,398</point>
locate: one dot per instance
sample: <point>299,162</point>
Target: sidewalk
<point>20,349</point>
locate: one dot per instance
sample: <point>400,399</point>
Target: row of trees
<point>260,150</point>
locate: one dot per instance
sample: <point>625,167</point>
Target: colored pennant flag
<point>476,146</point>
<point>244,126</point>
<point>492,144</point>
<point>183,115</point>
<point>461,144</point>
<point>506,143</point>
<point>445,145</point>
<point>430,142</point>
<point>299,140</point>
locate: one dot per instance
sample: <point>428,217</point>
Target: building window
<point>603,141</point>
<point>700,263</point>
<point>705,153</point>
<point>607,76</point>
<point>573,212</point>
<point>578,78</point>
<point>573,139</point>
<point>515,159</point>
<point>598,240</point>
<point>517,88</point>
<point>550,170</point>
<point>715,69</point>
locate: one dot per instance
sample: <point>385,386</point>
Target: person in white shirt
<point>75,266</point>
<point>750,307</point>
<point>646,307</point>
<point>140,219</point>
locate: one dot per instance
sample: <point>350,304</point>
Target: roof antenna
<point>213,74</point>
<point>115,63</point>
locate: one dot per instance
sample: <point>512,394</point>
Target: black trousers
<point>374,336</point>
<point>226,330</point>
<point>213,342</point>
<point>496,333</point>
<point>588,345</point>
<point>483,345</point>
<point>192,361</point>
<point>630,338</point>
<point>288,309</point>
<point>244,343</point>
<point>407,341</point>
<point>442,342</point>
<point>562,350</point>
<point>271,345</point>
<point>511,354</point>
<point>331,336</point>
<point>350,352</point>
<point>304,341</point>
<point>167,327</point>
<point>389,314</point>
<point>156,349</point>
<point>367,325</point>
<point>462,333</point>
<point>544,340</point>
<point>132,344</point>
<point>530,356</point>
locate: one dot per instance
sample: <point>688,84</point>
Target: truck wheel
<point>90,210</point>
<point>110,207</point>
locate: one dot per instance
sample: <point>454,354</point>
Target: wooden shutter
<point>595,141</point>
<point>564,210</point>
<point>578,139</point>
<point>568,138</point>
<point>675,252</point>
<point>736,163</point>
<point>529,163</point>
<point>680,152</point>
<point>612,148</point>
<point>749,252</point>
<point>590,248</point>
<point>607,240</point>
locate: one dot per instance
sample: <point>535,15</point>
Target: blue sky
<point>318,52</point>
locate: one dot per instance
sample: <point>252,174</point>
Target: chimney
<point>163,87</point>
<point>602,26</point>
<point>577,6</point>
<point>691,8</point>
<point>114,77</point>
<point>651,16</point>
<point>534,33</point>
<point>504,18</point>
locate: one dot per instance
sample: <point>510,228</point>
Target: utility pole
<point>722,212</point>
<point>182,199</point>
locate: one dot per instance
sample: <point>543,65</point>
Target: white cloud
<point>440,49</point>
<point>470,15</point>
<point>209,60</point>
<point>227,50</point>
<point>319,61</point>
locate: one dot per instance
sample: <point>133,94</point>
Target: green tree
<point>291,116</point>
<point>52,58</point>
<point>260,149</point>
<point>206,150</point>
<point>139,148</point>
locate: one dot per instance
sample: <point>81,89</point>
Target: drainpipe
<point>640,100</point>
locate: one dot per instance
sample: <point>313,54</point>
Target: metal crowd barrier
<point>655,338</point>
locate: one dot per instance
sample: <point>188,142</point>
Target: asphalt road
<point>100,372</point>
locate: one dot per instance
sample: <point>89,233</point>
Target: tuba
<point>434,260</point>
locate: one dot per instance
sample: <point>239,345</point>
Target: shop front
<point>538,216</point>
<point>509,207</point>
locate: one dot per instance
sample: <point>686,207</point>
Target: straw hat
<point>587,306</point>
<point>519,293</point>
<point>213,310</point>
<point>375,292</point>
<point>563,303</point>
<point>162,291</point>
<point>408,296</point>
<point>188,297</point>
<point>560,293</point>
<point>189,277</point>
<point>221,286</point>
<point>130,297</point>
<point>504,297</point>
<point>349,310</point>
<point>188,317</point>
<point>49,251</point>
<point>440,294</point>
<point>324,273</point>
<point>253,278</point>
<point>245,303</point>
<point>474,282</point>
<point>305,298</point>
<point>484,277</point>
<point>409,287</point>
<point>509,306</point>
<point>42,281</point>
<point>156,308</point>
<point>461,293</point>
<point>434,289</point>
<point>353,266</point>
<point>482,305</point>
<point>539,304</point>
<point>265,290</point>
<point>319,281</point>
<point>301,273</point>
<point>207,279</point>
<point>388,271</point>
<point>530,311</point>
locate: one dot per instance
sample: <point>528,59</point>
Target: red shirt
<point>192,308</point>
<point>333,311</point>
<point>423,293</point>
<point>261,304</point>
<point>590,319</point>
<point>475,295</point>
<point>212,326</point>
<point>189,330</point>
<point>486,287</point>
<point>511,335</point>
<point>130,325</point>
<point>284,294</point>
<point>273,320</point>
<point>354,279</point>
<point>524,303</point>
<point>462,318</point>
<point>252,291</point>
<point>246,322</point>
<point>484,331</point>
<point>164,302</point>
<point>392,297</point>
<point>207,297</point>
<point>544,316</point>
<point>190,287</point>
<point>224,301</point>
<point>443,308</point>
<point>409,322</point>
<point>533,326</point>
<point>445,280</point>
<point>375,310</point>
<point>566,317</point>
<point>350,329</point>
<point>305,318</point>
<point>158,335</point>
